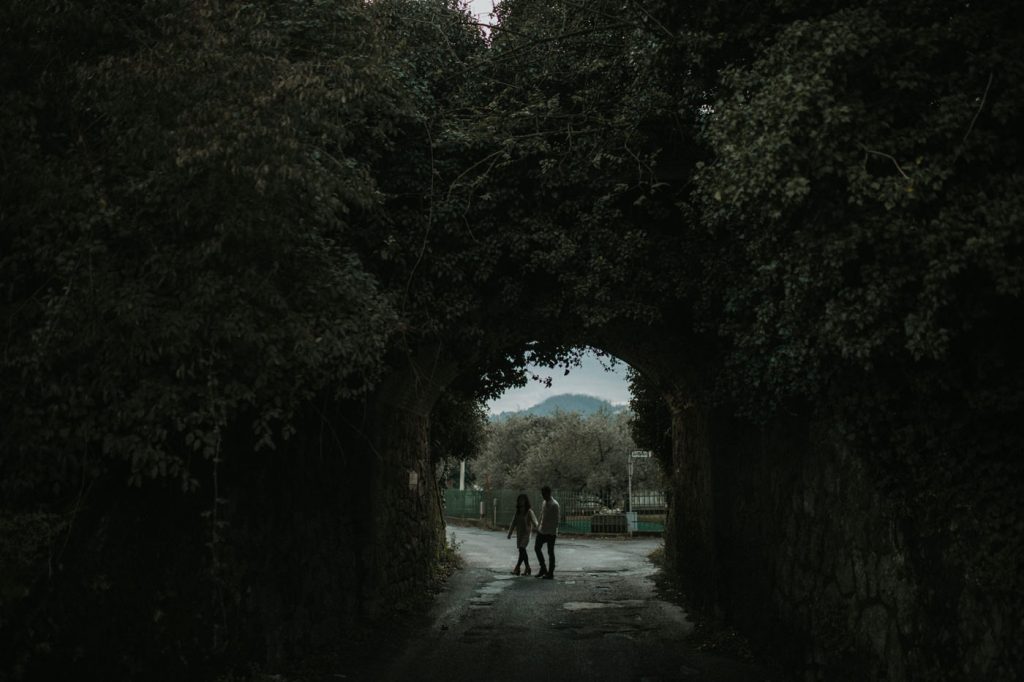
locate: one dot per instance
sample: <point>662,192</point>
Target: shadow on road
<point>609,614</point>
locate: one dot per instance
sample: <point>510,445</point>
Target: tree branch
<point>981,105</point>
<point>887,156</point>
<point>564,36</point>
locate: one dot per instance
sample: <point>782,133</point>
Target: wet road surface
<point>599,619</point>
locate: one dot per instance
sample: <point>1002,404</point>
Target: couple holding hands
<point>523,524</point>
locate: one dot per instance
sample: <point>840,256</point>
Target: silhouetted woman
<point>523,523</point>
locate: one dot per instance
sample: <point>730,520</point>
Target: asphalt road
<point>599,619</point>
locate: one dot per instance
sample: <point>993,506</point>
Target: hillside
<point>566,402</point>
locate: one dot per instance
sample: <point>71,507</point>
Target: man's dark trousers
<point>538,545</point>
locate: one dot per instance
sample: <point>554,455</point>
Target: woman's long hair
<point>522,504</point>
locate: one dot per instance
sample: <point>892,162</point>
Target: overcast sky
<point>589,379</point>
<point>481,9</point>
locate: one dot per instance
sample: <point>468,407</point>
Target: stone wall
<point>690,531</point>
<point>406,514</point>
<point>334,528</point>
<point>335,531</point>
<point>786,531</point>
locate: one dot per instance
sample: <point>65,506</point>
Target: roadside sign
<point>641,454</point>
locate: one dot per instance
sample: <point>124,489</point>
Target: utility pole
<point>636,454</point>
<point>629,483</point>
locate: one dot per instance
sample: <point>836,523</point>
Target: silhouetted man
<point>546,533</point>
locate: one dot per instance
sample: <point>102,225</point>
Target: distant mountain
<point>566,402</point>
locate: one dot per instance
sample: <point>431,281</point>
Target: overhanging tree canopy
<point>216,213</point>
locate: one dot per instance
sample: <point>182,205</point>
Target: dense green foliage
<point>212,214</point>
<point>650,423</point>
<point>567,451</point>
<point>458,430</point>
<point>866,178</point>
<point>181,210</point>
<point>862,201</point>
<point>221,212</point>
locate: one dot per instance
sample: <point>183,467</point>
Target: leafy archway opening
<point>581,443</point>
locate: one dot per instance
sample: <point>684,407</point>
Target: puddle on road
<point>619,635</point>
<point>493,588</point>
<point>486,594</point>
<point>587,605</point>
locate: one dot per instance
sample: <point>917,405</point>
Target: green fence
<point>464,504</point>
<point>582,512</point>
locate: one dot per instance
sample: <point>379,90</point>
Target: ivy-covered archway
<point>246,246</point>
